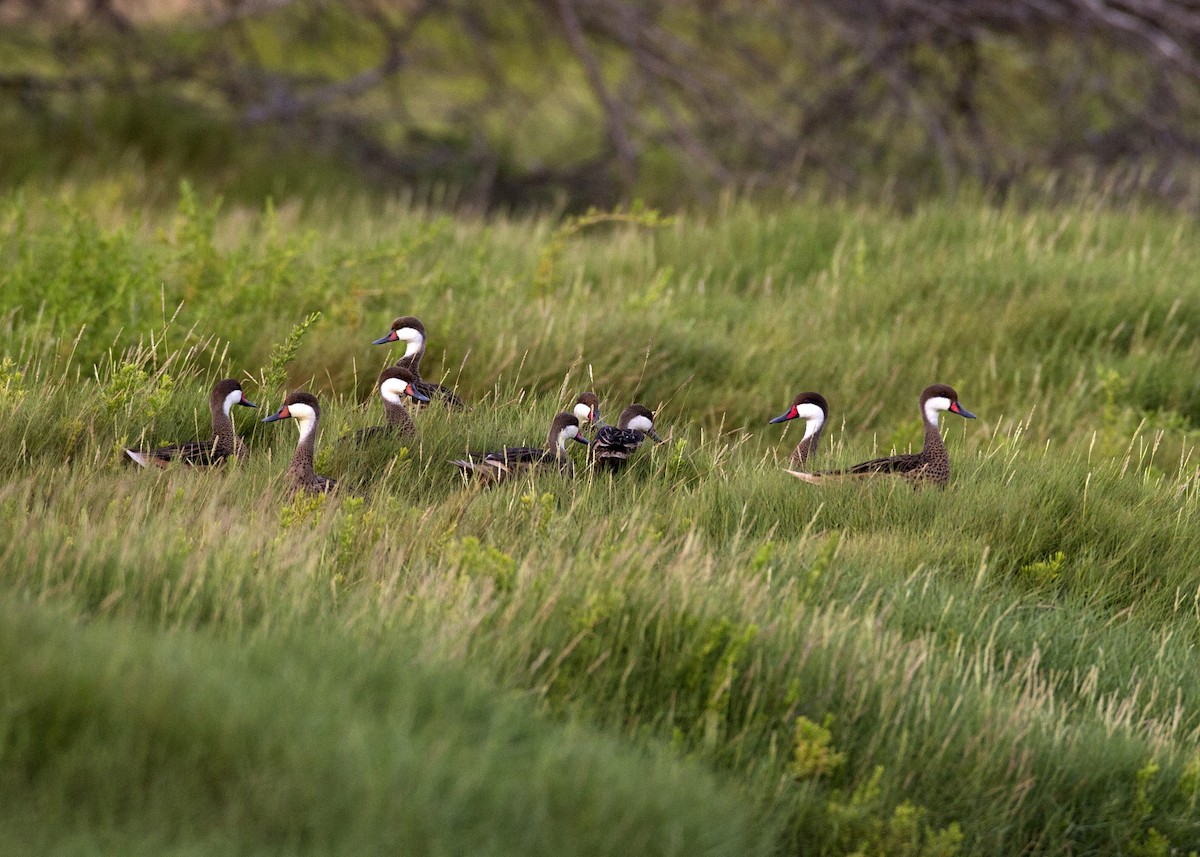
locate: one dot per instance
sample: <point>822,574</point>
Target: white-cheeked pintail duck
<point>814,410</point>
<point>304,409</point>
<point>587,409</point>
<point>395,383</point>
<point>224,442</point>
<point>512,460</point>
<point>614,444</point>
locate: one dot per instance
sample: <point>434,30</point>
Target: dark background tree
<point>596,101</point>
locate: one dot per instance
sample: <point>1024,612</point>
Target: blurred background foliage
<point>572,103</point>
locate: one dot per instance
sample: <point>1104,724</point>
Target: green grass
<point>702,655</point>
<point>314,743</point>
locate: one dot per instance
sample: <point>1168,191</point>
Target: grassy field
<point>701,656</point>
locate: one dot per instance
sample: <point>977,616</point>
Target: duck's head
<point>407,329</point>
<point>587,408</point>
<point>301,407</point>
<point>639,418</point>
<point>941,397</point>
<point>228,393</point>
<point>395,382</point>
<point>563,428</point>
<point>810,407</point>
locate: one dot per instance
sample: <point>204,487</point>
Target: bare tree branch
<point>615,119</point>
<point>848,91</point>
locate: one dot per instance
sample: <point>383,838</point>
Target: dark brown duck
<point>513,460</point>
<point>395,384</point>
<point>303,408</point>
<point>614,444</point>
<point>587,409</point>
<point>814,410</point>
<point>223,443</point>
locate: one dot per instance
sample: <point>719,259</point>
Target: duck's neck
<point>223,436</point>
<point>556,442</point>
<point>414,350</point>
<point>934,446</point>
<point>301,468</point>
<point>397,416</point>
<point>558,445</point>
<point>808,443</point>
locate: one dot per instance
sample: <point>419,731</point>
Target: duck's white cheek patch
<point>566,434</point>
<point>305,417</point>
<point>642,424</point>
<point>934,406</point>
<point>813,417</point>
<point>231,400</point>
<point>392,389</point>
<point>583,412</point>
<point>412,338</point>
<point>810,412</point>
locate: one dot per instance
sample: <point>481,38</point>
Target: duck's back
<point>613,446</point>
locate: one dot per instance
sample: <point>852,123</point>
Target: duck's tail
<point>488,470</point>
<point>142,458</point>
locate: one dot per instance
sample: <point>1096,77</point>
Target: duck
<point>507,462</point>
<point>305,410</point>
<point>929,466</point>
<point>223,443</point>
<point>814,410</point>
<point>395,382</point>
<point>409,330</point>
<point>614,444</point>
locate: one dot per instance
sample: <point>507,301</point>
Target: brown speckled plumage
<point>512,460</point>
<point>614,444</point>
<point>223,443</point>
<point>300,471</point>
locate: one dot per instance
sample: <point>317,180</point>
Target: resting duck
<point>931,464</point>
<point>495,466</point>
<point>224,442</point>
<point>409,330</point>
<point>395,383</point>
<point>614,444</point>
<point>814,410</point>
<point>303,408</point>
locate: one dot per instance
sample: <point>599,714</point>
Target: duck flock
<point>609,449</point>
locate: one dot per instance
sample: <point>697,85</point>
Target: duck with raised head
<point>304,409</point>
<point>814,410</point>
<point>395,383</point>
<point>409,330</point>
<point>223,443</point>
<point>931,464</point>
<point>614,444</point>
<point>512,460</point>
